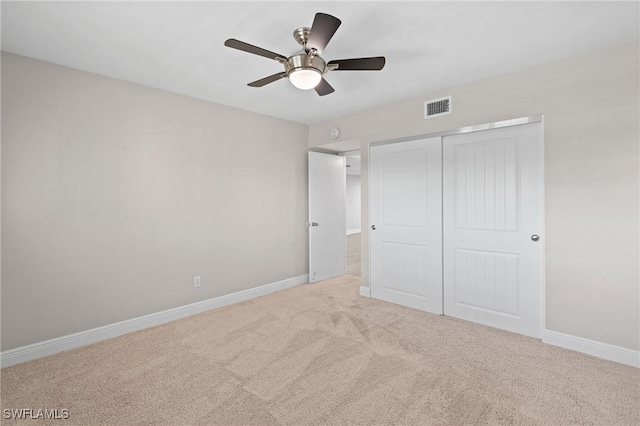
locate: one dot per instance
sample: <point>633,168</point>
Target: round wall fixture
<point>335,132</point>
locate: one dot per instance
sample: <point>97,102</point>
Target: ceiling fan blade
<point>323,28</point>
<point>246,47</point>
<point>324,88</point>
<point>359,64</point>
<point>267,80</point>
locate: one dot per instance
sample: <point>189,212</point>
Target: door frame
<point>538,118</point>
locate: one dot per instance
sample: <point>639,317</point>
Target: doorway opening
<point>353,212</point>
<point>335,198</point>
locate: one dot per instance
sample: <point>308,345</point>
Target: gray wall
<point>115,195</point>
<point>591,112</point>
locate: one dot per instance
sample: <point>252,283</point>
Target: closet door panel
<point>406,223</point>
<point>492,210</point>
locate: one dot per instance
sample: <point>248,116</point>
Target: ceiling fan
<point>305,68</point>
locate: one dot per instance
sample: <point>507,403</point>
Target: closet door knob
<point>535,237</point>
<point>373,227</point>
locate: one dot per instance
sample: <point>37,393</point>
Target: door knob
<point>373,227</point>
<point>314,223</point>
<point>535,237</point>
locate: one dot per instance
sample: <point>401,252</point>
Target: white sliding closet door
<point>406,223</point>
<point>492,205</point>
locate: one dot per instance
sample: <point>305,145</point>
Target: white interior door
<point>492,185</point>
<point>406,223</point>
<point>327,229</point>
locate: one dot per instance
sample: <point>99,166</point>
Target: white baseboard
<point>71,341</point>
<point>591,347</point>
<point>365,291</point>
<point>353,231</point>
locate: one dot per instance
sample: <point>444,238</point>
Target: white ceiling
<point>429,46</point>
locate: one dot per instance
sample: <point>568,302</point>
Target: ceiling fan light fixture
<point>305,78</point>
<point>306,67</point>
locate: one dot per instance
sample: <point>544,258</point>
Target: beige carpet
<point>321,354</point>
<point>353,254</point>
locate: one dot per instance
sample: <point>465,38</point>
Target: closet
<point>457,221</point>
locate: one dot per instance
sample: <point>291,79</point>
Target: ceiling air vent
<point>437,107</point>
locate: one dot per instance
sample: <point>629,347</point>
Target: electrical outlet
<point>196,281</point>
